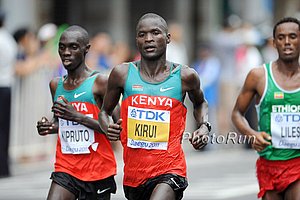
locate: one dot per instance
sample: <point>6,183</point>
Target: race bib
<point>74,137</point>
<point>285,129</point>
<point>148,128</point>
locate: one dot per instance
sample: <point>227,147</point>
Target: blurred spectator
<point>268,51</point>
<point>208,67</point>
<point>177,53</point>
<point>176,50</point>
<point>35,67</point>
<point>28,47</point>
<point>47,33</point>
<point>35,52</point>
<point>121,53</point>
<point>8,51</point>
<point>48,56</point>
<point>99,56</point>
<point>247,55</point>
<point>225,43</point>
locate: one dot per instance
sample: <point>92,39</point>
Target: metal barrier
<point>31,99</point>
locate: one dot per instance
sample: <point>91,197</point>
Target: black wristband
<point>207,124</point>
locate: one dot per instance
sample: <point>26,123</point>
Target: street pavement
<point>223,174</point>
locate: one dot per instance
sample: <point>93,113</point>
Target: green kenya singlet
<point>279,116</point>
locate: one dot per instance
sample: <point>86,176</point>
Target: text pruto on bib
<point>148,128</point>
<point>285,126</point>
<point>74,137</point>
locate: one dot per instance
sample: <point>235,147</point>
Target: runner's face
<point>71,50</point>
<point>152,38</point>
<point>287,41</point>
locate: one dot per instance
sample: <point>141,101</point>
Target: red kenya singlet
<point>81,151</point>
<point>153,124</point>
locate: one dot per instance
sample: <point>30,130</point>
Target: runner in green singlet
<point>276,89</point>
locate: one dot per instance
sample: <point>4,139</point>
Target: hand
<point>260,141</point>
<point>199,138</point>
<point>45,127</point>
<point>63,109</point>
<point>114,131</point>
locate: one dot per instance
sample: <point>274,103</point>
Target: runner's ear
<point>168,38</point>
<point>87,48</point>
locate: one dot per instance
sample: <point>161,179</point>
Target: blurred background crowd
<point>221,39</point>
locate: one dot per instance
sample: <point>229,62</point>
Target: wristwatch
<point>207,124</point>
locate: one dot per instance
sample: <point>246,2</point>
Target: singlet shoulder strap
<point>268,68</point>
<point>94,73</point>
<point>177,68</point>
<point>61,80</point>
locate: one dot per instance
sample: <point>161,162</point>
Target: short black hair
<point>81,30</point>
<point>285,20</point>
<point>154,16</point>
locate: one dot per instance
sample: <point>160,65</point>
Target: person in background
<point>176,50</point>
<point>268,51</point>
<point>208,67</point>
<point>8,54</point>
<point>100,54</point>
<point>28,50</point>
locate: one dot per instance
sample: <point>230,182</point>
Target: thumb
<point>64,99</point>
<point>191,136</point>
<point>119,122</point>
<point>44,119</point>
<point>266,136</point>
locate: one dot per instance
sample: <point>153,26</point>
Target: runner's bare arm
<point>99,90</point>
<point>44,126</point>
<point>248,92</point>
<point>191,85</point>
<point>115,88</point>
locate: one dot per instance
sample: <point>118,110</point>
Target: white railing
<point>31,99</point>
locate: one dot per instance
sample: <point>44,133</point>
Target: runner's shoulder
<point>257,73</point>
<point>189,74</point>
<point>101,78</point>
<point>120,70</point>
<point>54,82</point>
<point>118,75</point>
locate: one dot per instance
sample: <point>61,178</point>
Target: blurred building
<point>200,18</point>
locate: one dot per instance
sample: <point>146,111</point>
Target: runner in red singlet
<point>85,164</point>
<point>153,115</point>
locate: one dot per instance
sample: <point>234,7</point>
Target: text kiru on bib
<point>148,128</point>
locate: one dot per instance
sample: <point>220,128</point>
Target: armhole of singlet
<point>265,66</point>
